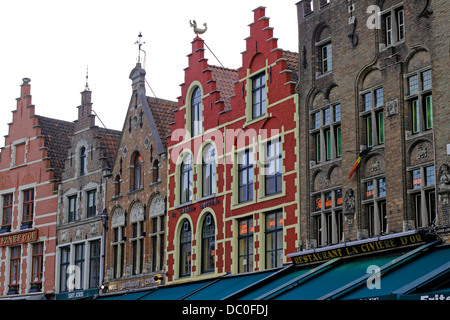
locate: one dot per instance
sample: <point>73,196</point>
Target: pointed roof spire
<point>87,79</point>
<point>140,43</point>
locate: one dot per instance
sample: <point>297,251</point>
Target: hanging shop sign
<point>381,243</point>
<point>18,238</point>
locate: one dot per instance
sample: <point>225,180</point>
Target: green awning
<point>228,285</point>
<point>176,291</point>
<point>134,295</point>
<point>332,279</point>
<point>404,279</point>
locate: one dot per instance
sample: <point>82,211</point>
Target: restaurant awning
<point>391,270</point>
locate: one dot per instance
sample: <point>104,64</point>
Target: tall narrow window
<point>79,263</point>
<point>374,202</point>
<point>372,113</point>
<point>137,171</point>
<point>82,161</point>
<point>72,208</point>
<point>14,273</point>
<point>326,58</point>
<point>185,249</point>
<point>37,266</point>
<point>273,167</point>
<point>208,243</point>
<point>196,112</point>
<point>394,26</point>
<point>186,179</point>
<point>259,95</point>
<point>327,216</point>
<point>63,268</point>
<point>245,175</point>
<point>137,247</point>
<point>155,171</point>
<point>209,171</point>
<point>94,264</point>
<point>245,249</point>
<point>7,211</point>
<point>423,195</point>
<point>28,206</point>
<point>274,239</point>
<point>91,203</point>
<point>421,101</point>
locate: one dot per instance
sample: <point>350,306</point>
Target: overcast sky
<point>52,42</point>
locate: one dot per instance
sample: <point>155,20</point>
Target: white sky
<point>52,42</point>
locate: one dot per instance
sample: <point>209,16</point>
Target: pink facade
<point>30,167</point>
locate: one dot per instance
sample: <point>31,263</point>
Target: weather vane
<point>140,43</point>
<point>197,30</point>
<point>87,78</point>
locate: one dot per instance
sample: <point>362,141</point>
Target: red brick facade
<point>252,113</point>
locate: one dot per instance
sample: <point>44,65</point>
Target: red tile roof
<point>162,112</point>
<point>57,139</point>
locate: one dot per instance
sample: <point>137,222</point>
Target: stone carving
<point>444,183</point>
<point>118,218</point>
<point>79,233</point>
<point>64,235</point>
<point>421,152</point>
<point>349,203</point>
<point>375,165</point>
<point>137,212</point>
<point>391,108</point>
<point>93,228</point>
<point>157,206</point>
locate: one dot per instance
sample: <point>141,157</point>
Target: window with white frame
<point>273,167</point>
<point>374,204</point>
<point>186,183</point>
<point>393,25</point>
<point>208,171</point>
<point>326,133</point>
<point>420,100</point>
<point>327,216</point>
<point>372,115</point>
<point>196,112</point>
<point>422,194</point>
<point>259,95</point>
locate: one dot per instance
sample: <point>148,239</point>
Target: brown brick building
<point>136,192</point>
<point>374,78</point>
<point>81,200</point>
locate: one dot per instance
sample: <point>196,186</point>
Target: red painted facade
<point>29,170</point>
<point>243,224</point>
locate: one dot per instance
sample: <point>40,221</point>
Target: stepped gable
<point>56,135</point>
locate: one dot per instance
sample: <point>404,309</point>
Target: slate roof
<point>162,112</point>
<point>56,135</point>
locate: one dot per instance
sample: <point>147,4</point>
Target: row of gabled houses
<point>334,158</point>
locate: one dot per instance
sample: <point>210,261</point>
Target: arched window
<point>186,179</point>
<point>137,168</point>
<point>82,161</point>
<point>185,249</point>
<point>196,112</point>
<point>209,171</point>
<point>208,243</point>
